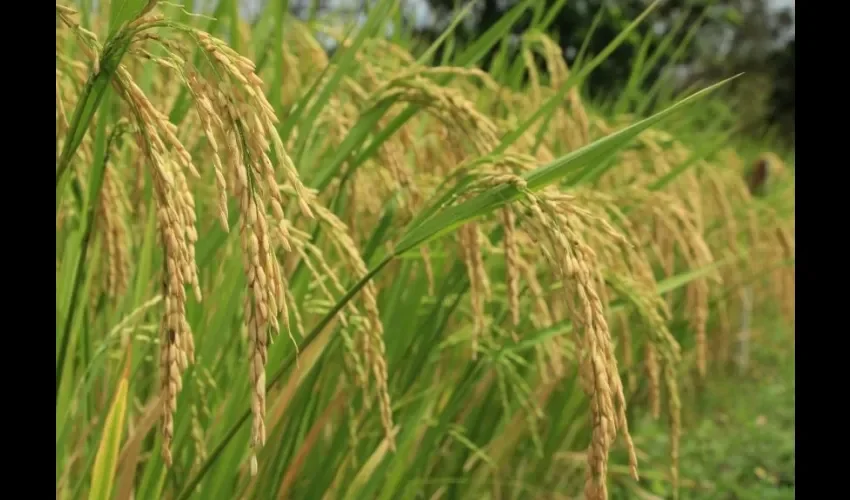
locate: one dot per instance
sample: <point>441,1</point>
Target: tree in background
<point>782,100</point>
<point>761,45</point>
<point>706,40</point>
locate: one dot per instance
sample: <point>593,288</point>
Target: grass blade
<point>578,160</point>
<point>106,461</point>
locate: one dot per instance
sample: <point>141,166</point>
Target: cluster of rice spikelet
<point>239,125</point>
<point>592,255</point>
<point>112,213</point>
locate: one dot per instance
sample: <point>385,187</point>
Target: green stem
<point>287,364</point>
<point>78,272</point>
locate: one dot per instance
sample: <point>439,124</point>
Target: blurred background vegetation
<point>714,39</point>
<point>711,40</point>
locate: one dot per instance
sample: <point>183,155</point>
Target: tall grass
<point>477,277</point>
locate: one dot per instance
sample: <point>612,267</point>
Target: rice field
<point>382,271</point>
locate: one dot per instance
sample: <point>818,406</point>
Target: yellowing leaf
<point>106,460</point>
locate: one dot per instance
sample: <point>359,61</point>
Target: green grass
<point>739,442</point>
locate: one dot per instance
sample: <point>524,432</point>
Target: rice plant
<point>372,274</point>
